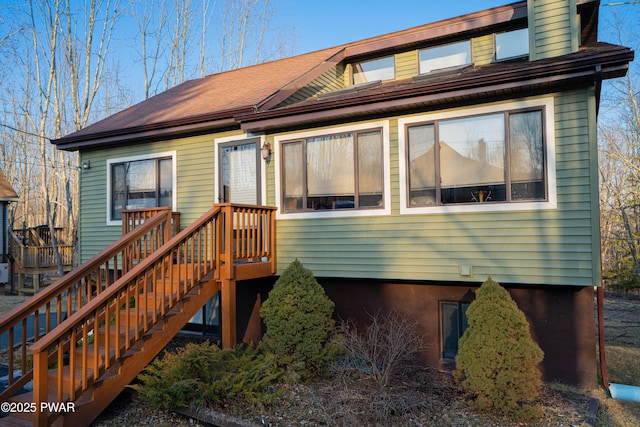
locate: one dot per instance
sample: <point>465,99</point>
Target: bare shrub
<point>380,349</point>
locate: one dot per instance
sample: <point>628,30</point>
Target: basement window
<point>453,323</point>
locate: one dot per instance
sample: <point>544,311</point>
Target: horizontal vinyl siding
<point>332,79</point>
<point>528,247</point>
<point>553,25</point>
<point>406,65</point>
<point>482,49</point>
<point>194,180</point>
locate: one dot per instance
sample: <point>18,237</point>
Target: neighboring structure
<point>406,168</point>
<point>7,195</point>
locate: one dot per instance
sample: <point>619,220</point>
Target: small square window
<point>374,70</point>
<point>512,44</point>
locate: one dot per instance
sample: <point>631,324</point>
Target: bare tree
<point>58,54</point>
<point>619,152</point>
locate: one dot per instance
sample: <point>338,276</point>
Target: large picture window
<point>138,184</point>
<point>333,172</point>
<point>488,158</point>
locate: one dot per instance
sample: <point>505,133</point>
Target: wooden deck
<point>33,254</point>
<point>132,298</point>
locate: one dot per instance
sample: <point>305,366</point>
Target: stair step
<point>66,379</point>
<point>157,299</point>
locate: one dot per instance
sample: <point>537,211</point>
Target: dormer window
<point>376,69</point>
<point>445,56</point>
<point>512,44</point>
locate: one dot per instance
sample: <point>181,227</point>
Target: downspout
<point>598,85</point>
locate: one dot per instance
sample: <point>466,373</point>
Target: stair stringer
<point>103,392</point>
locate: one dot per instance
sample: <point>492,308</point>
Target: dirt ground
<point>622,320</point>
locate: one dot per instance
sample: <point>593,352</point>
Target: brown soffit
<point>528,76</point>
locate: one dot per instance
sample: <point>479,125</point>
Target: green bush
<point>298,317</point>
<point>200,374</point>
<point>497,358</point>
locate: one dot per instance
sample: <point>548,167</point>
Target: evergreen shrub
<point>201,374</point>
<point>298,317</point>
<point>497,360</point>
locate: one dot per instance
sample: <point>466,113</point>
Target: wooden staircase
<point>124,305</point>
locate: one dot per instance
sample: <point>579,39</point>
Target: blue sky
<point>321,24</point>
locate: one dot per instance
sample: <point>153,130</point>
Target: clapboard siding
<point>332,79</point>
<point>194,180</point>
<point>406,65</point>
<point>530,247</point>
<point>482,49</point>
<point>553,28</point>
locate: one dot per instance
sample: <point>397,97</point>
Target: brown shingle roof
<point>214,100</point>
<point>7,193</point>
<point>213,97</point>
<point>217,101</point>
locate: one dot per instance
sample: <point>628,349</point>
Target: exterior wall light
<point>86,165</point>
<point>265,151</point>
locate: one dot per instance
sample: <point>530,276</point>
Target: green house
<point>404,169</point>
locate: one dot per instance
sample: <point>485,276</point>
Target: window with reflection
<point>512,44</point>
<point>340,171</point>
<point>491,158</point>
<point>445,56</point>
<point>453,323</point>
<point>141,184</point>
<point>374,70</point>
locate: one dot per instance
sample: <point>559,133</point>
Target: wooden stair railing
<point>115,335</point>
<point>69,294</point>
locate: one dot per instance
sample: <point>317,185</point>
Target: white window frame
<point>172,154</point>
<point>549,134</point>
<point>279,140</point>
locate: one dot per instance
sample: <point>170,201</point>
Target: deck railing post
<point>40,386</point>
<point>228,241</point>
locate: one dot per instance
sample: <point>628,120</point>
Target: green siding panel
<point>330,80</point>
<point>483,49</point>
<point>553,24</point>
<point>530,247</point>
<point>553,246</point>
<point>194,180</point>
<point>406,65</point>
